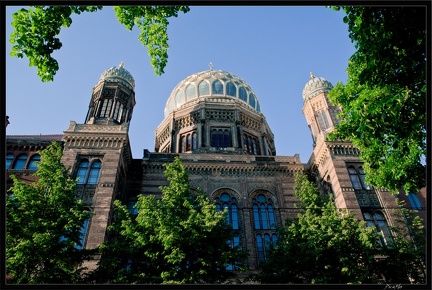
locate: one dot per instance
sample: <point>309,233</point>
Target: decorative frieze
<point>248,122</point>
<point>162,137</point>
<point>220,115</point>
<point>187,121</point>
<point>346,149</point>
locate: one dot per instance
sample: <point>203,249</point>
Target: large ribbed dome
<point>315,86</point>
<point>211,83</point>
<point>118,74</point>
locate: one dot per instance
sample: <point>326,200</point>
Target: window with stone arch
<point>88,171</point>
<point>229,200</point>
<point>357,177</point>
<point>264,223</point>
<point>377,220</point>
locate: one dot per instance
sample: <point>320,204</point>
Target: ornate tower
<point>98,151</point>
<point>113,98</point>
<point>319,112</point>
<point>337,166</point>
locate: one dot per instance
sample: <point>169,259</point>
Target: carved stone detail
<point>248,122</point>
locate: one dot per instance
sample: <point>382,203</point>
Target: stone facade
<point>214,124</point>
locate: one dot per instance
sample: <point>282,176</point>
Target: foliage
<point>37,28</point>
<point>43,225</point>
<point>152,21</point>
<point>405,257</point>
<point>328,245</point>
<point>384,101</point>
<point>324,245</point>
<point>179,238</point>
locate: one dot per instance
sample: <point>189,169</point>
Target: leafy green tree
<point>180,238</point>
<point>404,260</point>
<point>323,245</point>
<point>384,101</point>
<point>43,223</point>
<point>37,28</point>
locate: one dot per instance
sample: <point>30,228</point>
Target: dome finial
<point>211,66</point>
<point>311,75</point>
<point>121,64</point>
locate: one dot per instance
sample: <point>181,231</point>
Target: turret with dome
<point>113,97</point>
<point>214,111</point>
<point>320,114</point>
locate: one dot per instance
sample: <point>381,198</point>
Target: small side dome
<point>118,74</point>
<point>315,86</point>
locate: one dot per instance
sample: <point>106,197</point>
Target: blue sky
<point>272,48</point>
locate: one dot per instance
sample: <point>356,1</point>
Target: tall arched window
<point>357,177</point>
<point>34,162</point>
<point>190,92</point>
<point>379,222</point>
<point>226,201</point>
<point>194,141</point>
<point>94,173</point>
<point>9,159</point>
<point>230,89</point>
<point>263,213</point>
<point>21,161</point>
<point>86,174</point>
<point>322,120</point>
<point>82,171</point>
<point>106,108</point>
<point>217,88</point>
<point>264,224</point>
<point>83,234</point>
<point>242,94</point>
<point>203,88</point>
<point>252,100</point>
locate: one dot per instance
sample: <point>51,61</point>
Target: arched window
<point>83,234</point>
<point>357,177</point>
<point>106,108</point>
<point>182,145</point>
<point>21,161</point>
<point>242,94</point>
<point>189,142</point>
<point>94,173</point>
<point>190,92</point>
<point>34,162</point>
<point>9,159</point>
<point>227,201</point>
<point>82,171</point>
<point>180,98</point>
<point>230,89</point>
<point>258,108</point>
<point>203,88</point>
<point>264,224</point>
<point>322,120</point>
<point>221,138</point>
<point>263,213</point>
<point>194,141</point>
<point>355,180</point>
<point>252,100</point>
<point>217,88</point>
<point>88,175</point>
<point>379,222</point>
